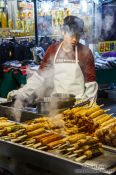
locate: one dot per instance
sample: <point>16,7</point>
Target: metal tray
<point>54,164</point>
<point>109,148</point>
<point>6,110</point>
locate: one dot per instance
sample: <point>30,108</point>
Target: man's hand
<point>11,95</point>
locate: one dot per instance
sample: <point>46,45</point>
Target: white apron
<point>68,77</point>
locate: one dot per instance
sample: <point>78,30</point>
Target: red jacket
<point>85,57</point>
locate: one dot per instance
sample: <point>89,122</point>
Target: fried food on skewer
<point>89,154</point>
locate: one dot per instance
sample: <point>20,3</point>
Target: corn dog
<point>35,132</point>
<point>96,113</point>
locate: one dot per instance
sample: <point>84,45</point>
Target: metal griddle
<point>21,160</point>
<point>33,159</point>
<point>29,113</point>
<point>109,148</point>
<point>6,109</point>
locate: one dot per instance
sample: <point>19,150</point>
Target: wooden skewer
<point>62,146</point>
<point>57,146</point>
<point>23,143</point>
<point>70,149</point>
<point>30,141</point>
<point>67,154</point>
<point>80,158</point>
<point>107,110</point>
<point>19,138</point>
<point>72,155</point>
<point>101,105</point>
<point>78,151</point>
<point>111,114</point>
<point>61,150</point>
<point>29,145</point>
<point>5,138</point>
<point>42,148</point>
<point>37,145</point>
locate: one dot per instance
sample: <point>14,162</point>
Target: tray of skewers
<point>73,133</point>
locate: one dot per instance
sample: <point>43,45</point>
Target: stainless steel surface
<point>109,148</point>
<point>6,110</point>
<point>56,164</point>
<point>2,100</point>
<point>105,162</point>
<point>48,162</point>
<point>43,105</point>
<point>47,105</point>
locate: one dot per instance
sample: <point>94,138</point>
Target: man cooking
<point>67,67</point>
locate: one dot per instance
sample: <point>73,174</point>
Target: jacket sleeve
<point>89,68</point>
<point>47,59</point>
<point>91,86</point>
<point>36,84</point>
<point>32,90</point>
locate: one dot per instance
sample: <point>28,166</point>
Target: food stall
<point>80,139</point>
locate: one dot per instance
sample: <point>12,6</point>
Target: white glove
<point>33,89</point>
<point>91,89</point>
<point>11,95</point>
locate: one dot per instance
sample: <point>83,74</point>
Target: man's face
<point>71,39</point>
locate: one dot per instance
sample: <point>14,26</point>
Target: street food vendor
<point>67,67</point>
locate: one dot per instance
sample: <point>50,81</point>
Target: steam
<point>38,85</point>
<point>98,25</point>
<point>17,110</point>
<point>58,120</point>
<point>104,24</point>
<point>108,22</point>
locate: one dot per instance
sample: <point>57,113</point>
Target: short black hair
<point>74,25</point>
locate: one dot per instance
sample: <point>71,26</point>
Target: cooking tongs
<point>82,103</point>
